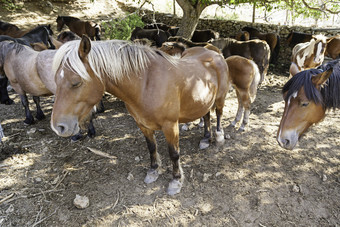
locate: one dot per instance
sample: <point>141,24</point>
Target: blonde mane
<point>115,58</point>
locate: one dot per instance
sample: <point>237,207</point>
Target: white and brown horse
<point>159,91</point>
<point>308,55</point>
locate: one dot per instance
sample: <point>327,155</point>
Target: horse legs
<point>244,99</point>
<point>4,98</point>
<point>153,172</point>
<point>29,118</point>
<point>171,133</point>
<point>40,114</point>
<point>205,142</point>
<point>239,110</point>
<point>91,132</point>
<point>219,134</point>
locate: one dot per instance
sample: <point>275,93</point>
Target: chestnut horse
<point>30,72</point>
<point>307,96</point>
<point>244,76</point>
<point>272,39</point>
<point>80,27</point>
<point>159,91</point>
<point>309,54</point>
<point>333,47</point>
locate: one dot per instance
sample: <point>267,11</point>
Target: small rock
<point>324,177</point>
<point>192,173</point>
<point>130,177</point>
<point>227,136</point>
<point>217,174</point>
<point>37,180</point>
<point>137,159</point>
<point>81,202</point>
<point>206,176</point>
<point>296,188</point>
<point>10,209</point>
<point>31,131</point>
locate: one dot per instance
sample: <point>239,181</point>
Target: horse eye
<point>304,104</point>
<point>77,84</point>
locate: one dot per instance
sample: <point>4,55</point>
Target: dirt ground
<point>248,181</point>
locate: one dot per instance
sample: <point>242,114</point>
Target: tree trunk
<point>191,14</point>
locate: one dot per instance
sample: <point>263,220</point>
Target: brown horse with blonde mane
<point>159,91</point>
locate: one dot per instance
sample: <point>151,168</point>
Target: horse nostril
<point>286,142</point>
<point>61,128</point>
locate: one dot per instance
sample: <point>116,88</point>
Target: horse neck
<point>68,20</point>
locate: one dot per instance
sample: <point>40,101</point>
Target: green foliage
<point>121,28</point>
<point>10,5</point>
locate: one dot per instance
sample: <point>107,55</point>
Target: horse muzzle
<point>65,127</point>
<point>288,140</point>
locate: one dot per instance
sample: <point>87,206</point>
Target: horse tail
<point>256,81</point>
<point>276,51</point>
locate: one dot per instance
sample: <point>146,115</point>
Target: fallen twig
<point>38,214</point>
<point>118,195</point>
<point>6,198</point>
<point>98,152</point>
<point>65,174</point>
<point>33,195</point>
<point>37,223</point>
<point>231,216</point>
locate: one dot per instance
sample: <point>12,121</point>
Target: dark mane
<point>39,28</point>
<point>329,94</point>
<point>67,19</point>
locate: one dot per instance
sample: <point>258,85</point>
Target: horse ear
<point>84,47</point>
<point>322,77</point>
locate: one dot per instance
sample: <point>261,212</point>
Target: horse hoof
<point>28,121</point>
<point>77,137</point>
<point>185,127</point>
<point>201,124</point>
<point>204,144</point>
<point>174,187</point>
<point>219,135</point>
<point>7,102</point>
<point>40,117</point>
<point>241,129</point>
<point>151,176</point>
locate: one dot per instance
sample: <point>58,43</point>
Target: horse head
<point>303,105</point>
<point>60,23</point>
<point>74,78</point>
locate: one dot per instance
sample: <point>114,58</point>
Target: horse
<point>41,33</point>
<point>158,36</point>
<point>30,72</point>
<point>80,27</point>
<point>307,96</point>
<point>170,30</point>
<point>242,36</point>
<point>256,50</point>
<point>272,39</point>
<point>244,76</point>
<point>297,37</point>
<point>333,47</point>
<point>204,35</point>
<point>66,36</point>
<point>159,91</point>
<point>309,54</point>
<point>11,30</point>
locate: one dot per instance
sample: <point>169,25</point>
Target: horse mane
<point>68,18</point>
<point>39,27</point>
<point>116,58</point>
<point>329,94</point>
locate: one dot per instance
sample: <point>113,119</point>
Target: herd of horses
<point>163,79</point>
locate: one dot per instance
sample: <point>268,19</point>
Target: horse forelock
<point>303,79</point>
<point>114,58</point>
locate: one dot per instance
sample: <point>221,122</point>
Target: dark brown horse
<point>272,39</point>
<point>157,36</point>
<point>66,36</point>
<point>256,50</point>
<point>297,37</point>
<point>159,91</point>
<point>11,30</point>
<point>307,96</point>
<point>204,35</point>
<point>80,27</point>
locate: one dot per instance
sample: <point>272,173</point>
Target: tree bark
<point>191,14</point>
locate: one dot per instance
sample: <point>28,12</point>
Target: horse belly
<point>197,101</point>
